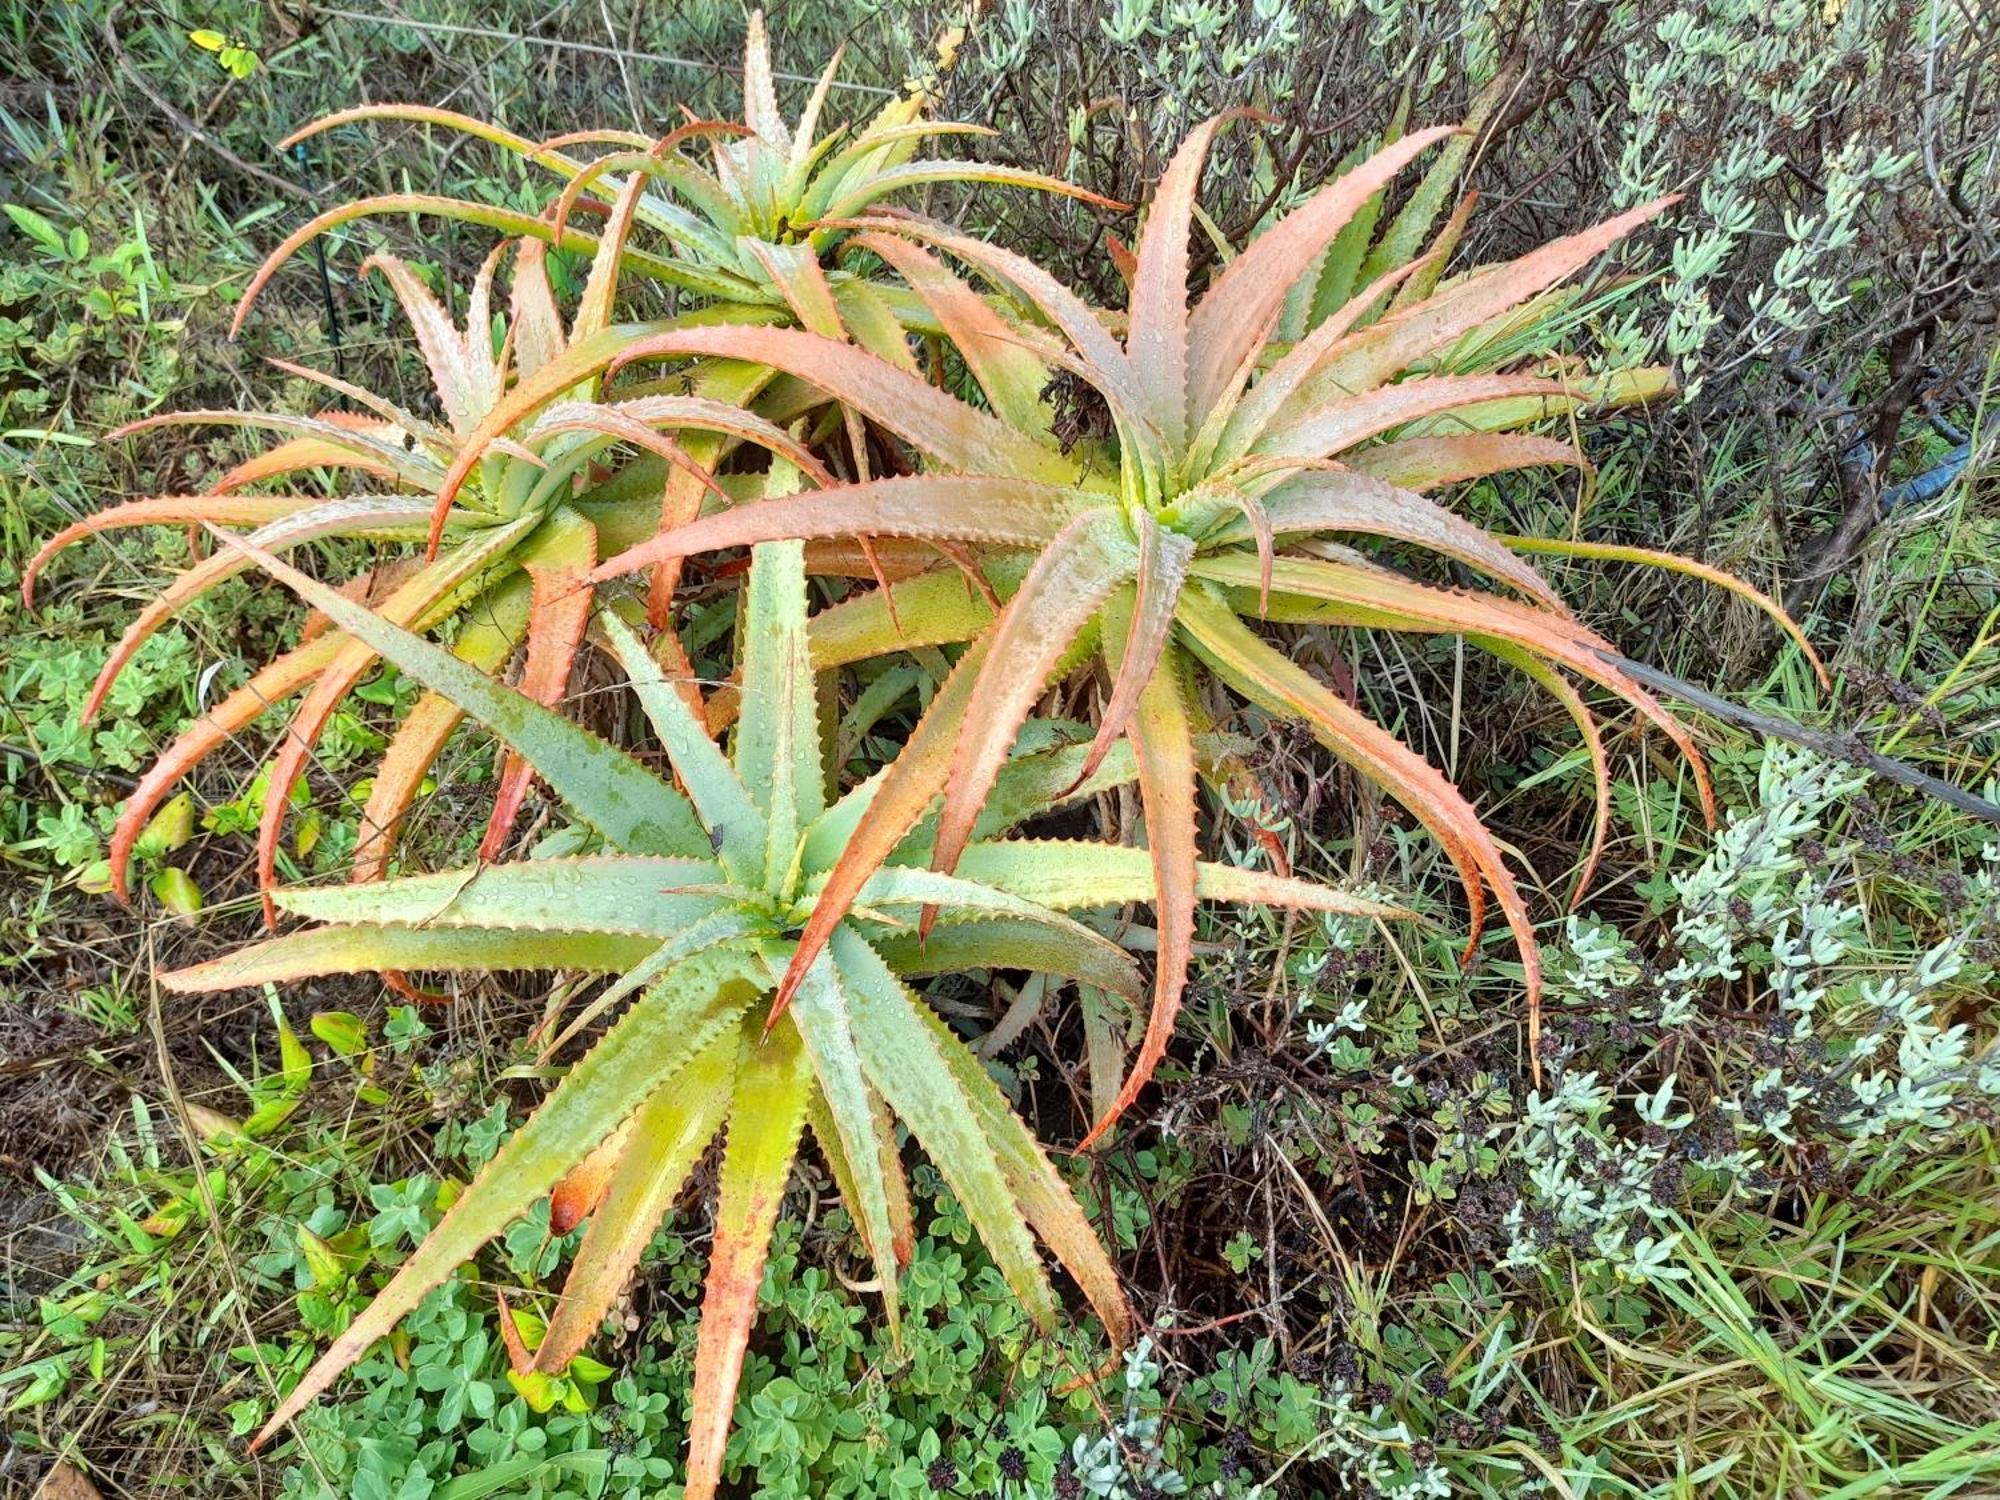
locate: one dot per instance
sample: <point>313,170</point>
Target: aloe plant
<point>518,541</point>
<point>696,902</point>
<point>1235,470</point>
<point>754,235</point>
<point>757,227</point>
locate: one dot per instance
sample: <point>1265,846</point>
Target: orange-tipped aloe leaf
<point>584,1185</point>
<point>801,281</point>
<point>1558,687</point>
<point>1147,621</point>
<point>392,417</point>
<point>593,310</point>
<point>297,454</point>
<point>1043,1197</point>
<point>933,609</point>
<point>167,510</point>
<point>916,776</point>
<point>535,321</point>
<point>557,563</point>
<point>1320,431</point>
<point>906,1062</point>
<point>490,634</point>
<point>375,441</point>
<point>772,1086</point>
<point>412,604</point>
<point>663,1141</point>
<point>1363,505</point>
<point>823,1014</point>
<point>1103,360</point>
<point>1423,464</point>
<point>1233,430</point>
<point>426,114</point>
<point>1028,785</point>
<point>412,751</point>
<point>725,383</point>
<point>1382,351</point>
<point>507,221</point>
<point>603,785</point>
<point>648,1046</point>
<point>1673,562</point>
<point>466,387</point>
<point>1163,747</point>
<point>272,684</point>
<point>973,508</point>
<point>1157,339</point>
<point>1406,604</point>
<point>387,518</point>
<point>1066,876</point>
<point>956,435</point>
<point>1237,311</point>
<point>1280,685</point>
<point>1000,358</point>
<point>691,230</point>
<point>699,413</point>
<point>1061,593</point>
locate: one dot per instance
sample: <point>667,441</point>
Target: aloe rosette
<point>1239,475</point>
<point>508,559</point>
<point>696,902</point>
<point>742,216</point>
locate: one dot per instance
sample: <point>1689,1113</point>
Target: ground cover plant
<point>885,642</point>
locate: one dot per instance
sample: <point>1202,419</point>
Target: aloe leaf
<point>641,1053</point>
<point>735,821</point>
<point>372,949</point>
<point>1014,943</point>
<point>903,1061</point>
<point>635,895</point>
<point>632,808</point>
<point>777,734</point>
<point>773,1084</point>
<point>823,1015</point>
<point>1065,874</point>
<point>668,1135</point>
<point>1163,745</point>
<point>1036,1187</point>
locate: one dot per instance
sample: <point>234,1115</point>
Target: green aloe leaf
<point>632,808</point>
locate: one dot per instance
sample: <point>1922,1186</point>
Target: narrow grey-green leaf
<point>632,808</point>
